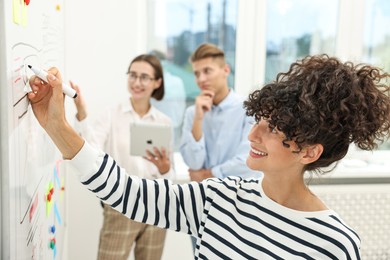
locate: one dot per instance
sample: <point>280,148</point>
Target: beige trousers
<point>119,233</point>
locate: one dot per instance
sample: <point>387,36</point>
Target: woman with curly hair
<point>305,121</point>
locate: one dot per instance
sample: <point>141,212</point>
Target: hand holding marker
<point>43,75</point>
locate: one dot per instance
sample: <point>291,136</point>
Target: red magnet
<point>48,198</point>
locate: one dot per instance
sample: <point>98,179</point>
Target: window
<point>297,28</point>
<point>176,28</point>
<point>376,49</point>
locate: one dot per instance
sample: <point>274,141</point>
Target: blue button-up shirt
<point>224,145</point>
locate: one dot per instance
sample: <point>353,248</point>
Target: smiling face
<point>141,81</point>
<point>268,154</point>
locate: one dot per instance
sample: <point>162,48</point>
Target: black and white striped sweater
<point>232,218</point>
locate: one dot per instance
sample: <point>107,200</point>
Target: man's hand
<point>200,175</point>
<point>203,103</point>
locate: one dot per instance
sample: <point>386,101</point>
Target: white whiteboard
<point>32,181</point>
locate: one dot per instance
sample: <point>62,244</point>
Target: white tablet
<point>145,136</point>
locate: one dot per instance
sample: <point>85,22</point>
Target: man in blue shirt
<point>214,138</point>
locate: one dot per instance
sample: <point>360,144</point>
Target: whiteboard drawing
<point>33,35</point>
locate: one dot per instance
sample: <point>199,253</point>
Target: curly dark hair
<point>321,100</point>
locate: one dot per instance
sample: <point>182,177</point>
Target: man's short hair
<point>208,50</point>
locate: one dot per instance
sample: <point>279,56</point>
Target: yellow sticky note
<point>24,14</point>
<point>16,9</point>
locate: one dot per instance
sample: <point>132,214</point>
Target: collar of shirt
<point>128,107</point>
<point>226,102</point>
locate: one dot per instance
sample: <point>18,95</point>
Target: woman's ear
<point>158,83</point>
<point>311,153</point>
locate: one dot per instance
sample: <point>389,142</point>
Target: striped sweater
<point>231,218</point>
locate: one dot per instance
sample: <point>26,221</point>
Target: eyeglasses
<point>143,78</point>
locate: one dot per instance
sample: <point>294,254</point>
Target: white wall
<point>102,37</point>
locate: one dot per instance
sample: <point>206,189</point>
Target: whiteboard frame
<point>4,151</point>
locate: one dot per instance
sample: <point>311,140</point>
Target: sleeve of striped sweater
<point>156,202</point>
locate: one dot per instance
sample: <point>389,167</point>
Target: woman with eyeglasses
<point>111,134</point>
